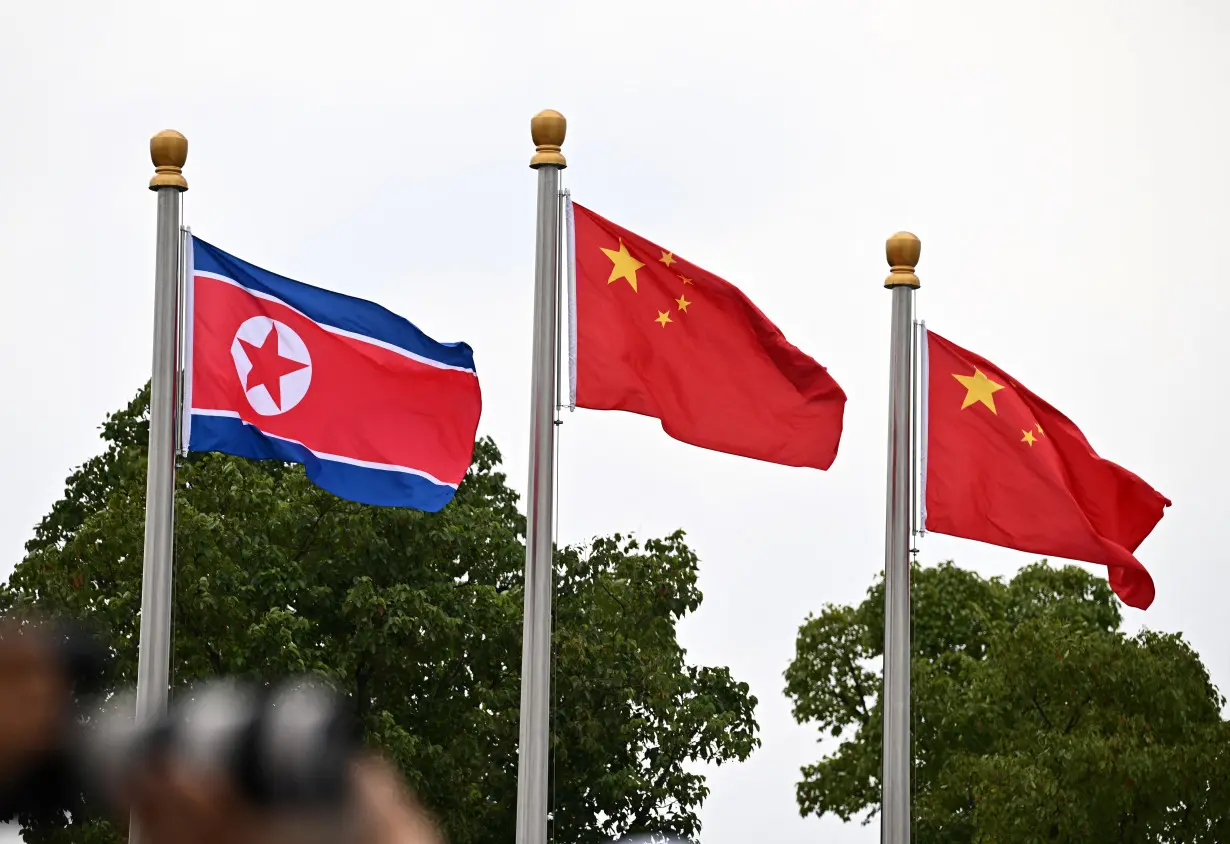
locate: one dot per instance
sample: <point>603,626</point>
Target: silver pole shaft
<point>536,644</point>
<point>895,828</point>
<point>154,656</point>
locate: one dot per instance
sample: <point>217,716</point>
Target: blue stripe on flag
<point>381,487</point>
<point>326,307</point>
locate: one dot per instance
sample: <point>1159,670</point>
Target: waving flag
<point>654,334</point>
<point>1005,467</point>
<point>375,410</point>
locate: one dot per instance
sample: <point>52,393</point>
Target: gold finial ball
<point>902,250</point>
<point>548,129</point>
<point>169,151</point>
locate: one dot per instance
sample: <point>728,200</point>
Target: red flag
<point>657,335</point>
<point>1004,467</point>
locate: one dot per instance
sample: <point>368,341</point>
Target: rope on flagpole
<point>560,260</point>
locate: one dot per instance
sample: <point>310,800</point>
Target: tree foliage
<point>1034,718</point>
<point>416,616</point>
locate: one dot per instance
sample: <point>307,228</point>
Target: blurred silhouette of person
<point>172,807</point>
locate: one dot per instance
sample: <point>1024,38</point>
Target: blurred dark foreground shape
<point>228,762</point>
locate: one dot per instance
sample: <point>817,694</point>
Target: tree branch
<point>641,817</point>
<point>311,533</point>
<point>1034,697</point>
<point>602,583</point>
<point>1076,716</point>
<point>362,692</point>
<point>858,687</point>
<point>194,631</point>
<point>858,711</point>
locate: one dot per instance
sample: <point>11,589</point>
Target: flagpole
<point>547,129</point>
<point>903,250</point>
<point>168,151</point>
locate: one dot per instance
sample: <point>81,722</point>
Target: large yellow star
<point>1029,437</point>
<point>683,303</point>
<point>663,318</point>
<point>623,265</point>
<point>979,388</point>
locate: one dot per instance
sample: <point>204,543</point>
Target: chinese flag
<point>1004,467</point>
<point>657,335</point>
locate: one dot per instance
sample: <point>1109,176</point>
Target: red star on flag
<point>268,366</point>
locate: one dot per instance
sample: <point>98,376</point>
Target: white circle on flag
<point>288,356</point>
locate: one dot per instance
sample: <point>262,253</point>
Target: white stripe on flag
<point>334,458</point>
<point>187,288</point>
<point>571,237</point>
<point>924,413</point>
<point>341,332</point>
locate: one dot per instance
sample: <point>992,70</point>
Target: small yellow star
<point>685,279</point>
<point>663,318</point>
<point>667,258</point>
<point>1029,438</point>
<point>1040,431</point>
<point>683,303</point>
<point>979,388</point>
<point>623,265</point>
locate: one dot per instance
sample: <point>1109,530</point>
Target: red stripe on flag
<point>364,402</point>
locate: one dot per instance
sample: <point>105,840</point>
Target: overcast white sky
<point>1064,164</point>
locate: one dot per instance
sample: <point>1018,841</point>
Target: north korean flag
<point>375,410</point>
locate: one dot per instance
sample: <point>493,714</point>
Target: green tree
<point>1035,719</point>
<point>418,617</point>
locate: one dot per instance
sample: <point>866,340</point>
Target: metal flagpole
<point>547,129</point>
<point>903,250</point>
<point>169,151</point>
